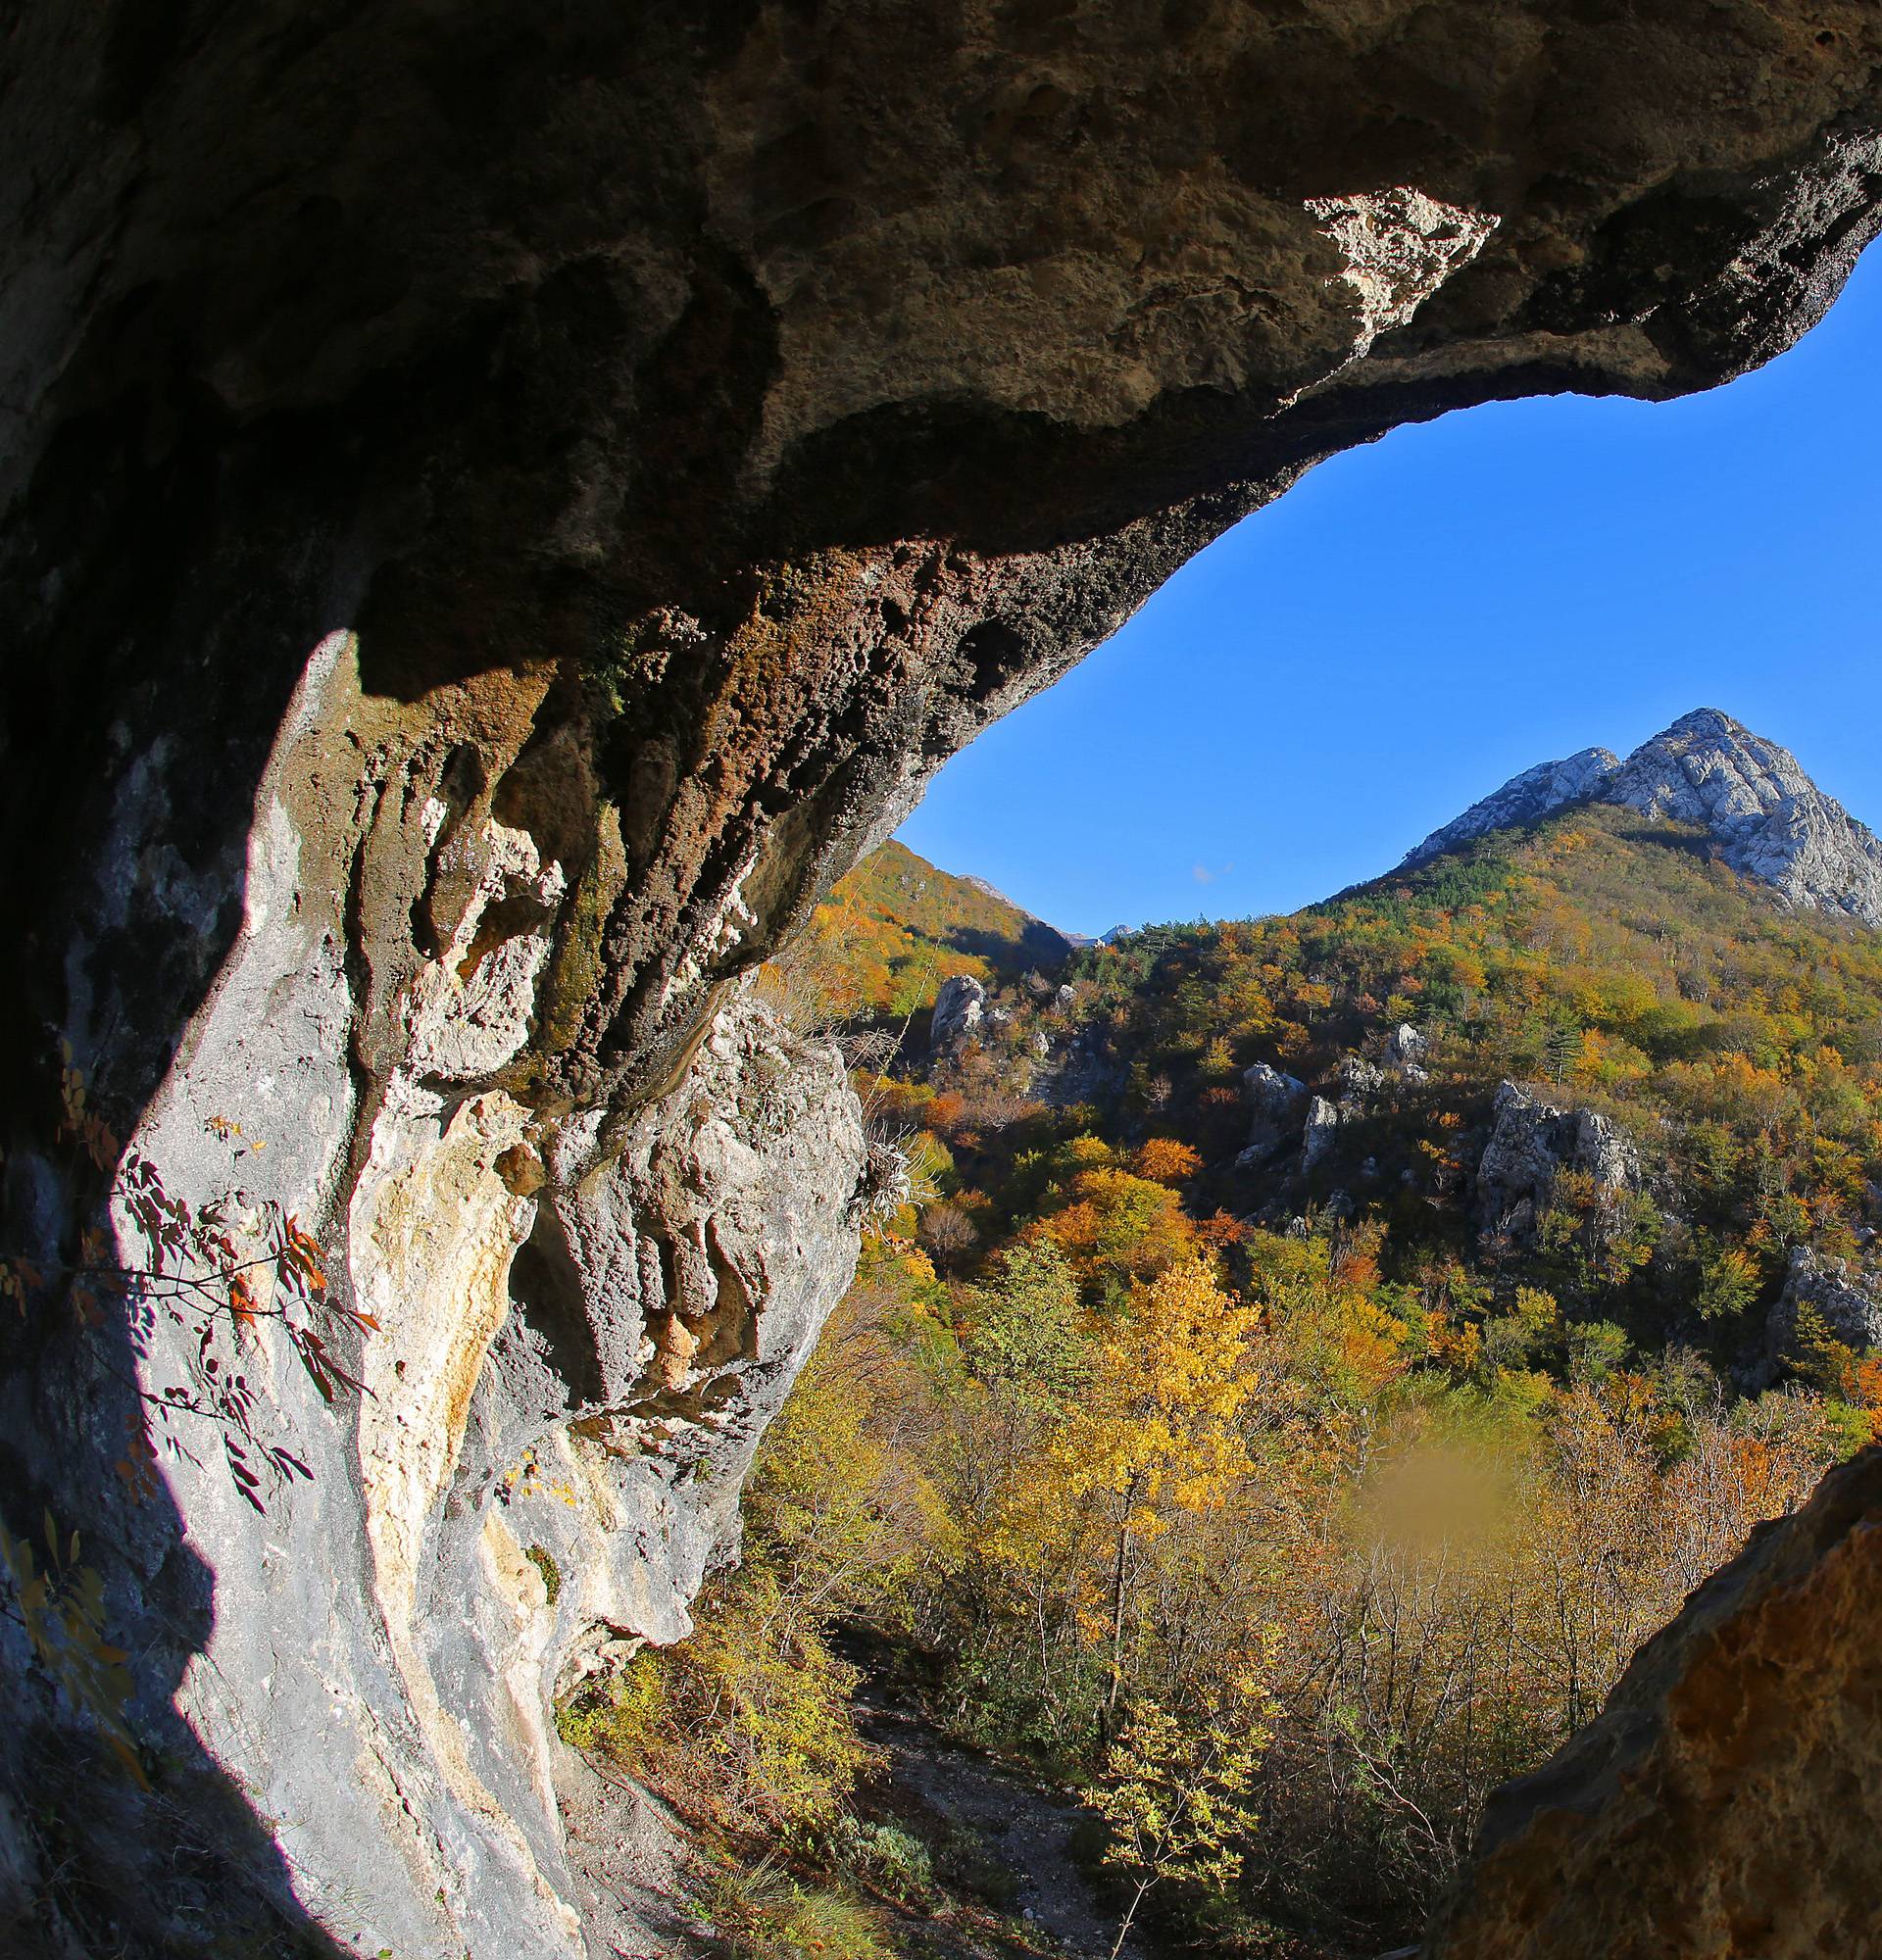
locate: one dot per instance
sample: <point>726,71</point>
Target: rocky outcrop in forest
<point>498,512</point>
<point>1532,1142</point>
<point>1846,1300</point>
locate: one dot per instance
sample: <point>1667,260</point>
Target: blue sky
<point>1420,619</point>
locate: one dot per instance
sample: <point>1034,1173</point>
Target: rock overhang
<point>679,433</point>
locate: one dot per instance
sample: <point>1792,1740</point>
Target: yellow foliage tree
<point>1155,1431</point>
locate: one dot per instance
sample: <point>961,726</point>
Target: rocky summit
<point>1766,817</point>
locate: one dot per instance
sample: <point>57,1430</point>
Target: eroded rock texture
<point>579,1343</point>
<point>1725,1800</point>
<point>500,505</point>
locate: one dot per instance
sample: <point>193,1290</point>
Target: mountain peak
<point>1705,724</point>
<point>1768,819</point>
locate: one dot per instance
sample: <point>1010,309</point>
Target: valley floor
<point>1028,1828</point>
<point>1001,1876</point>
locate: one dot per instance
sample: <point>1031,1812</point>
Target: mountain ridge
<point>1767,816</point>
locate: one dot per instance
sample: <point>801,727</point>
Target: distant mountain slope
<point>1759,810</point>
<point>1530,797</point>
<point>893,930</point>
<point>1702,1054</point>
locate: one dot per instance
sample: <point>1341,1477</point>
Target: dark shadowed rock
<point>1724,1802</point>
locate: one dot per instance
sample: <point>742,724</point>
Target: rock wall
<point>1725,1800</point>
<point>584,1319</point>
<point>497,506</point>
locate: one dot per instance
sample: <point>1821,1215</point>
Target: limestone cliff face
<point>582,1332</point>
<point>497,506</point>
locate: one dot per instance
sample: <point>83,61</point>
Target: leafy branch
<point>206,1269</point>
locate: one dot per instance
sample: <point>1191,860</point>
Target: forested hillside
<point>1312,1356</point>
<point>893,930</point>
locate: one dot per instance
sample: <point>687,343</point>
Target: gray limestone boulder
<point>960,1006</point>
<point>1279,1102</point>
<point>1407,1043</point>
<point>1848,1301</point>
<point>1408,1049</point>
<point>1322,1128</point>
<point>1531,1142</point>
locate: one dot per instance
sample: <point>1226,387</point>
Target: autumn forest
<point>1249,1415</point>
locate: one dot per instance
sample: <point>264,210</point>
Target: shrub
<point>758,1913</point>
<point>895,1860</point>
<point>544,1560</point>
<point>617,1715</point>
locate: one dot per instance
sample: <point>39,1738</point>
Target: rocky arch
<point>501,504</point>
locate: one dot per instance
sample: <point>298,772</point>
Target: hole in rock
<point>550,1318</point>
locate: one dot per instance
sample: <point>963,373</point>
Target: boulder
<point>1273,1094</point>
<point>1407,1050</point>
<point>1359,1078</point>
<point>1323,1126</point>
<point>1532,1141</point>
<point>1406,1045</point>
<point>1279,1102</point>
<point>959,1008</point>
<point>1848,1301</point>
